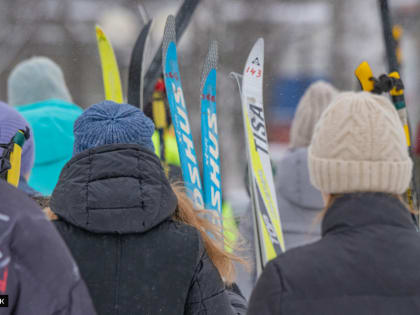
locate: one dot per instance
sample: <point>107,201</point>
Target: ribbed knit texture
<point>359,145</point>
<point>34,80</point>
<point>10,122</point>
<point>112,123</point>
<point>316,98</point>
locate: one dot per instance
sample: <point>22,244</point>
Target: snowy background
<point>305,40</point>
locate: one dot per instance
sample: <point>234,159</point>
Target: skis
<point>110,72</point>
<point>136,69</point>
<point>269,235</point>
<point>213,196</point>
<point>209,134</point>
<point>179,115</point>
<point>155,71</point>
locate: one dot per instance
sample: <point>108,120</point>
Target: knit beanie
<point>359,146</point>
<point>36,79</point>
<point>10,122</point>
<point>112,123</point>
<point>316,98</point>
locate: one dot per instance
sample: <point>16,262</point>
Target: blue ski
<point>209,134</point>
<point>179,115</point>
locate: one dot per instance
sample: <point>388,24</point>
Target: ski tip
<point>256,55</point>
<point>210,62</point>
<point>170,28</point>
<point>169,35</point>
<point>99,31</point>
<point>214,51</point>
<point>259,42</point>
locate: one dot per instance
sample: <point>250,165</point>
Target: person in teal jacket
<point>37,89</point>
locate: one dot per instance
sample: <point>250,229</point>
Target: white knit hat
<point>359,145</point>
<point>316,98</point>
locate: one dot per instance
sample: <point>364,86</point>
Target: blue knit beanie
<point>112,123</point>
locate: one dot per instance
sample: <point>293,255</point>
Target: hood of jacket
<point>52,123</point>
<point>293,183</point>
<point>118,188</point>
<point>366,209</point>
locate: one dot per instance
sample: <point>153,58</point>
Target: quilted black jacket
<point>367,262</point>
<point>115,210</point>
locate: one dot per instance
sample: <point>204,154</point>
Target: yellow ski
<point>110,72</point>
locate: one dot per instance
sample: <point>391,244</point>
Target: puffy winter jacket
<point>299,202</point>
<point>366,263</point>
<point>37,271</point>
<point>115,207</point>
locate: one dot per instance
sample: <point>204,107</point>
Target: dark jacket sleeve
<point>266,296</point>
<point>80,301</point>
<point>37,270</point>
<point>207,294</point>
<point>237,300</point>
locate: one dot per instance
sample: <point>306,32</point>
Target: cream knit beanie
<point>359,145</point>
<point>316,98</point>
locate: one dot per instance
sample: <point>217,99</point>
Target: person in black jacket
<point>37,272</point>
<point>140,246</point>
<point>367,259</point>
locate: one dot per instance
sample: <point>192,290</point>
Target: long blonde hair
<point>215,244</point>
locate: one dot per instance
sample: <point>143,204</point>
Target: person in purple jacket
<point>37,272</point>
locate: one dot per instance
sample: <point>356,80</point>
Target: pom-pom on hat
<point>359,145</point>
<point>111,123</point>
<point>315,100</point>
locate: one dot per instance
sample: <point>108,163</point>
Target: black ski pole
<point>390,42</point>
<point>398,95</point>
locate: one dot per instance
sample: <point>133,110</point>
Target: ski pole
<point>398,98</point>
<point>390,42</point>
<point>392,84</point>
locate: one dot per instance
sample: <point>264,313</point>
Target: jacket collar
<point>362,209</point>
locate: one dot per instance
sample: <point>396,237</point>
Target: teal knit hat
<point>112,123</point>
<point>34,80</point>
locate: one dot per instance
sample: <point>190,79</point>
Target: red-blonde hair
<point>215,244</point>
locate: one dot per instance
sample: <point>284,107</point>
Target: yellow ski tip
<point>110,71</point>
<point>363,73</point>
<point>99,32</point>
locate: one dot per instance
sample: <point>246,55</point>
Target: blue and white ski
<point>209,134</point>
<point>179,115</point>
